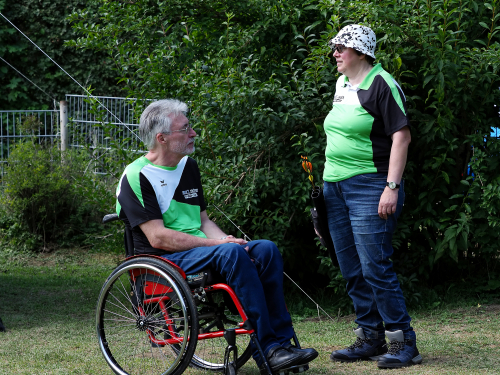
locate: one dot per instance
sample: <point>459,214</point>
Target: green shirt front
<point>173,194</point>
<point>360,125</point>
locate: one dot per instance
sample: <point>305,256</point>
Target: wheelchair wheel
<point>215,314</point>
<point>144,311</point>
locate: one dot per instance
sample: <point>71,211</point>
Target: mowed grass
<point>47,303</point>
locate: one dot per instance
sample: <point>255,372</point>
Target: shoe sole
<point>415,361</point>
<point>354,360</point>
<point>308,358</point>
<point>372,358</point>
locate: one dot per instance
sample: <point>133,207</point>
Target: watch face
<point>392,185</point>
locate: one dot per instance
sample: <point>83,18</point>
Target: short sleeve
<point>392,106</point>
<point>137,200</point>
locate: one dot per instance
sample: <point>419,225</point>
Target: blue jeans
<point>363,247</point>
<point>258,285</point>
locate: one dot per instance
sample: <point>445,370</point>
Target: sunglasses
<point>339,48</point>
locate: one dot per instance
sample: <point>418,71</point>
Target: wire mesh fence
<point>40,125</point>
<point>93,124</point>
<point>97,124</point>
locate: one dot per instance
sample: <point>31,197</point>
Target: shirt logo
<point>337,98</point>
<point>193,193</point>
<point>162,183</point>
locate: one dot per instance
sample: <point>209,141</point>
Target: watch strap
<point>396,186</point>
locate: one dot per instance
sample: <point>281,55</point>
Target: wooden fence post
<point>63,117</point>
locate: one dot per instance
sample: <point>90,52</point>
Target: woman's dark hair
<point>368,58</point>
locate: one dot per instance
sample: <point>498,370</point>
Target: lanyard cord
<point>318,307</point>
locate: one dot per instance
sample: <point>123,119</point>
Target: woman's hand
<point>388,203</point>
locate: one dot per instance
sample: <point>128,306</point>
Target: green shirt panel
<point>349,149</point>
<point>183,217</point>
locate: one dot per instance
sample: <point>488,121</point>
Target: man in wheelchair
<point>160,198</point>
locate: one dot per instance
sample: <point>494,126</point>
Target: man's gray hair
<point>157,118</point>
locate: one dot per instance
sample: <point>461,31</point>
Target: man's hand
<point>230,238</point>
<point>388,203</point>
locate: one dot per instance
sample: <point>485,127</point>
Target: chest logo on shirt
<point>162,183</point>
<point>338,98</point>
<point>193,193</point>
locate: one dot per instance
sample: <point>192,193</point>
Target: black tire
<point>124,320</point>
<point>214,315</point>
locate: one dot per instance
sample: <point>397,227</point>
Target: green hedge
<point>258,73</point>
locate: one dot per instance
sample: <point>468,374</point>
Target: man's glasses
<point>339,48</point>
<point>184,130</point>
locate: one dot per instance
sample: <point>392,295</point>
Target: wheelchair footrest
<point>293,370</point>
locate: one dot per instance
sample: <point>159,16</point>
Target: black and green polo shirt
<point>174,194</point>
<point>359,126</point>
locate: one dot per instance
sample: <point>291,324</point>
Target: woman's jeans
<point>363,247</point>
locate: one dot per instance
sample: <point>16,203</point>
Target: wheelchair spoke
<point>140,310</point>
<point>114,313</point>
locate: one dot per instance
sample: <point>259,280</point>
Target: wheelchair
<point>152,318</point>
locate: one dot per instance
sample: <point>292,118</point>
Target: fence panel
<point>87,129</point>
<point>43,125</point>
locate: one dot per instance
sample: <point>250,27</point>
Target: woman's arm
<point>397,162</point>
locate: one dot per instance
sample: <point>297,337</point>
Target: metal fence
<point>88,125</point>
<point>16,125</point>
<point>86,120</point>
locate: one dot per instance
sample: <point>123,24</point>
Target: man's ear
<point>160,138</point>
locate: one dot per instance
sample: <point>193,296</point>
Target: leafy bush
<point>258,73</point>
<point>47,198</point>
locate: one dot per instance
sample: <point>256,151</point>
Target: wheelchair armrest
<point>109,218</point>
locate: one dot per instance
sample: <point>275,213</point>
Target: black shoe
<point>280,358</point>
<point>307,354</point>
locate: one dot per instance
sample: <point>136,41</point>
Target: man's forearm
<point>179,241</point>
<point>211,230</point>
<point>171,240</point>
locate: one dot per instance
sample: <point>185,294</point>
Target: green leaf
<point>456,196</point>
<point>427,79</point>
<point>464,182</point>
<point>445,176</point>
<point>484,25</point>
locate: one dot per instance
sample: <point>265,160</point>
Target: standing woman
<point>367,142</point>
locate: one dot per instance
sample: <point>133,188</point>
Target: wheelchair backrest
<point>127,236</point>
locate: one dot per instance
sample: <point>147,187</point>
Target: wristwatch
<point>392,185</point>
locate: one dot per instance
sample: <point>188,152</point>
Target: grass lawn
<point>47,303</point>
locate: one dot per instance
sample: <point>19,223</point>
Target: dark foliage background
<point>45,22</point>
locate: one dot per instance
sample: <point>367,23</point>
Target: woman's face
<point>348,61</point>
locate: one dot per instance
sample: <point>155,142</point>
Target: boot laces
<point>359,343</point>
<point>396,346</point>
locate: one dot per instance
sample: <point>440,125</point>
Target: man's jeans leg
<point>262,301</point>
<point>269,264</point>
<point>363,246</point>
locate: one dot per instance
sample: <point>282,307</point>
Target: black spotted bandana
<point>361,38</point>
